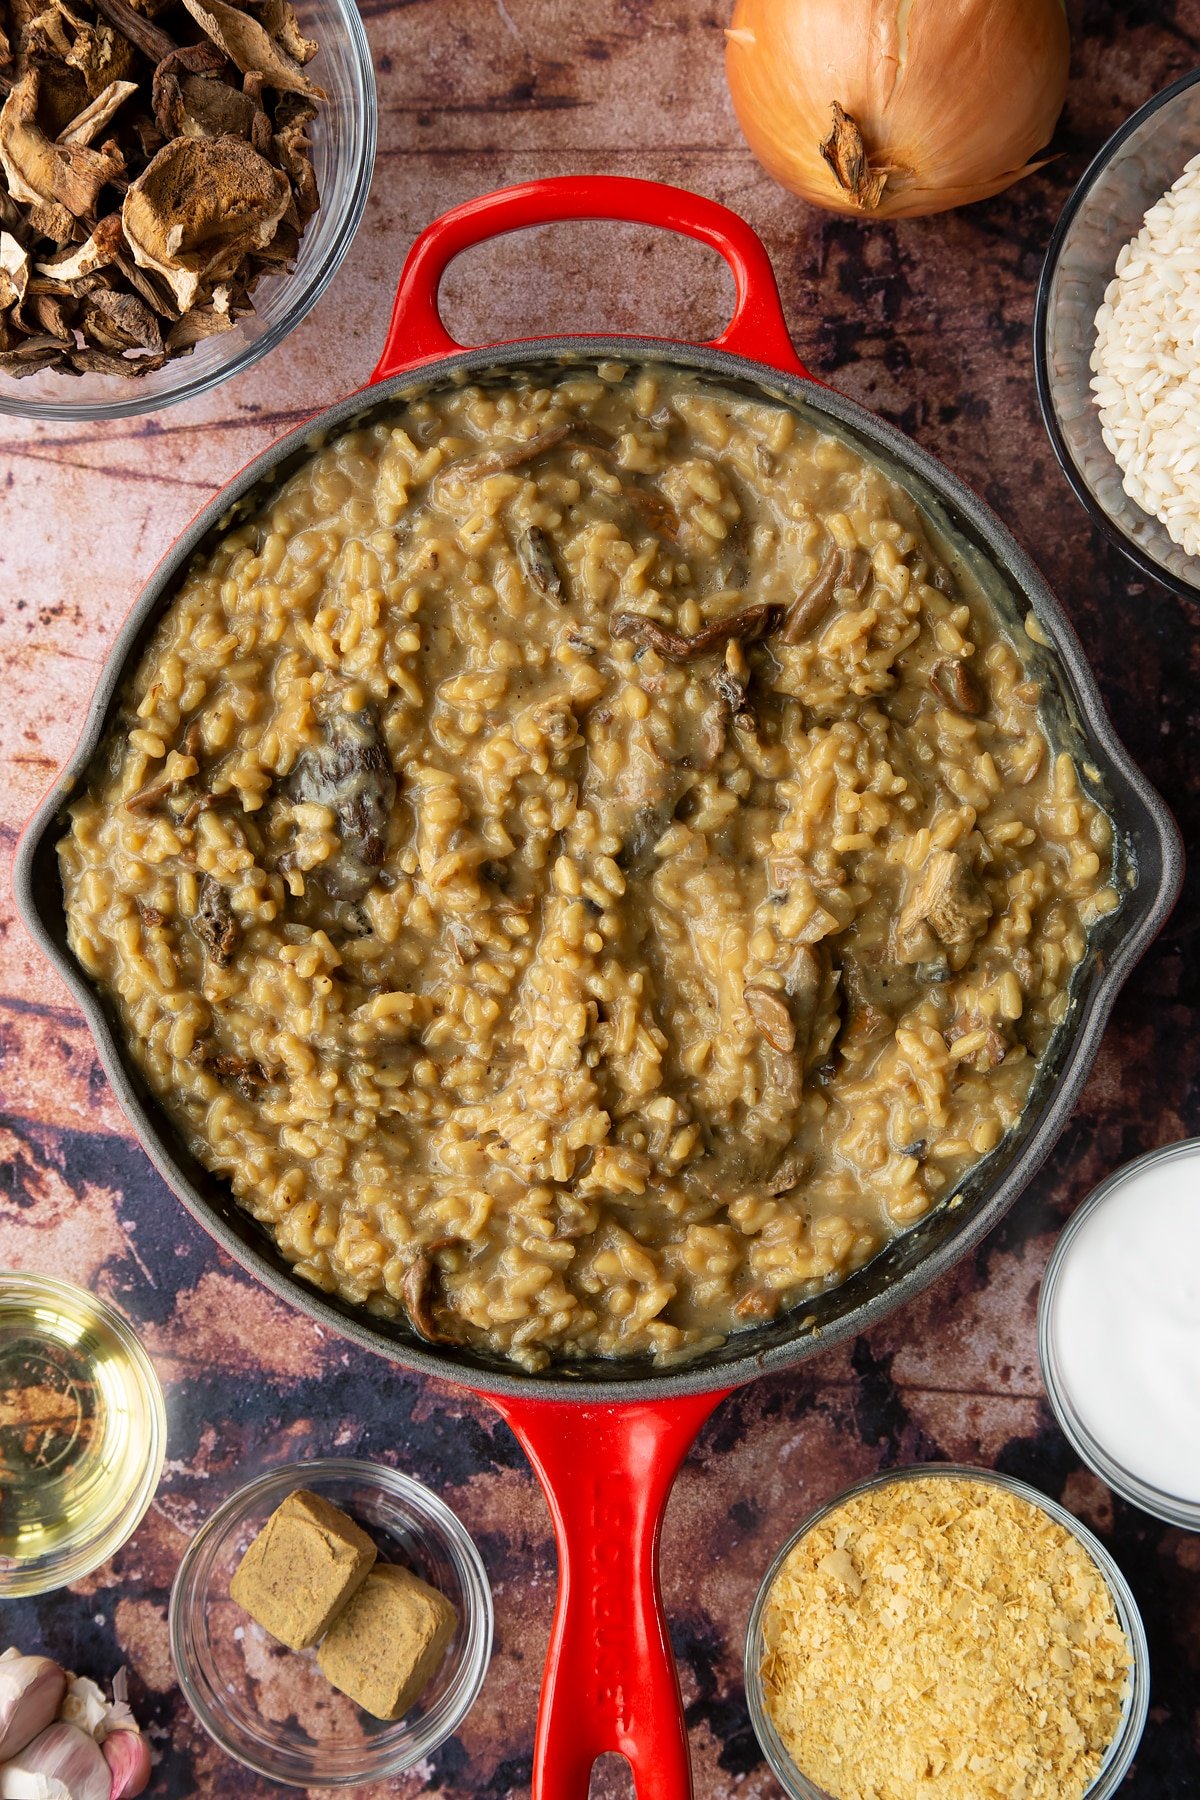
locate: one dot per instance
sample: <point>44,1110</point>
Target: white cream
<point>1125,1324</point>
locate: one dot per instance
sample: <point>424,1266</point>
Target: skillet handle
<point>610,1679</point>
<point>757,329</point>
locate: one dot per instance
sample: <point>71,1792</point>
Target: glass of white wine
<point>82,1433</point>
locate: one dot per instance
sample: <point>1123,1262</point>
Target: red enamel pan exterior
<point>757,329</point>
<point>606,1442</point>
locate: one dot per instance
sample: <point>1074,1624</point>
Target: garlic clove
<point>84,1705</point>
<point>128,1756</point>
<point>62,1763</point>
<point>31,1691</point>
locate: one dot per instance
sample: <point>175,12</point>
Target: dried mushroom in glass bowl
<point>159,160</point>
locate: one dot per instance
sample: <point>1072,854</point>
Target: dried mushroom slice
<point>87,125</point>
<point>260,126</point>
<point>154,291</point>
<point>147,37</point>
<point>283,248</point>
<point>14,271</point>
<point>42,172</point>
<point>44,36</point>
<point>19,15</point>
<point>96,252</point>
<point>49,220</point>
<point>120,323</point>
<point>62,96</point>
<point>250,47</point>
<point>48,312</point>
<point>293,147</point>
<point>78,57</point>
<point>280,21</point>
<point>212,109</point>
<point>948,900</point>
<point>30,355</point>
<point>166,91</point>
<point>89,361</point>
<point>199,208</point>
<point>200,323</point>
<point>956,685</point>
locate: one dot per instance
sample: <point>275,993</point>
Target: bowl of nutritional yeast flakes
<point>1115,358</point>
<point>606,1433</point>
<point>946,1629</point>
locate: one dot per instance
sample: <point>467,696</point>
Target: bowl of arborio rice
<point>1117,337</point>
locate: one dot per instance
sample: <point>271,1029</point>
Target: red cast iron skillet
<point>606,1439</point>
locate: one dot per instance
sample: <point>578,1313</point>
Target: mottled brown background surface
<point>929,322</point>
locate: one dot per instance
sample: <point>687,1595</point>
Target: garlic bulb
<point>62,1763</point>
<point>31,1691</point>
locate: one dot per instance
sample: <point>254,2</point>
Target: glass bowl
<point>82,1433</point>
<point>1176,1509</point>
<point>271,1708</point>
<point>343,139</point>
<point>1137,165</point>
<point>1137,1699</point>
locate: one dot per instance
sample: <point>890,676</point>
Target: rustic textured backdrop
<point>927,321</point>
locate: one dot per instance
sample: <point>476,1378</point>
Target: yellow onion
<point>889,108</point>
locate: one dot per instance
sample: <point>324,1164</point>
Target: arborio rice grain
<point>1146,362</point>
<point>584,866</point>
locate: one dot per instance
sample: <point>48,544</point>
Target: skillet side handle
<point>757,329</point>
<point>610,1680</point>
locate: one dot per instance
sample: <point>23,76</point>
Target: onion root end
<point>845,151</point>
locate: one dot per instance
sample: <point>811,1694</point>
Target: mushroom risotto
<point>584,864</point>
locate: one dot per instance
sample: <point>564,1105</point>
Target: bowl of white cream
<point>1119,1332</point>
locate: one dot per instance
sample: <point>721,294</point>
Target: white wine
<point>81,1433</point>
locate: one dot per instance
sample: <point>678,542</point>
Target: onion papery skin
<point>953,98</point>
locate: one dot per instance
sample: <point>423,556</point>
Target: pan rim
<point>1142,811</point>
